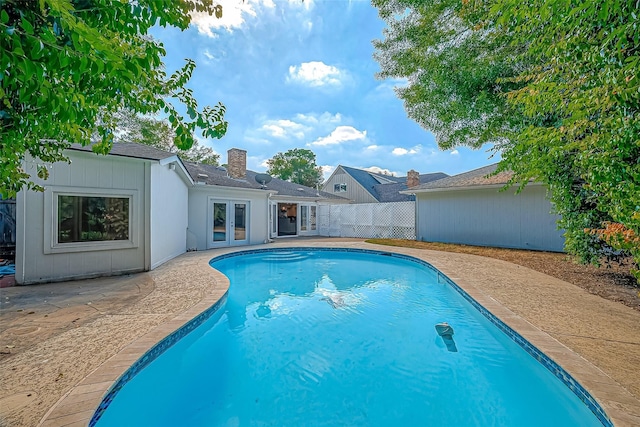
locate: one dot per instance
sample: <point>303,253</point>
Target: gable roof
<point>130,149</point>
<point>475,178</point>
<point>217,176</point>
<point>386,188</point>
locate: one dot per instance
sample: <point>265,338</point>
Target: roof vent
<point>203,177</point>
<point>300,189</point>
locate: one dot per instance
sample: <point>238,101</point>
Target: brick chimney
<point>413,178</point>
<point>237,163</point>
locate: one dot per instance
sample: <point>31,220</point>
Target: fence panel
<point>368,220</point>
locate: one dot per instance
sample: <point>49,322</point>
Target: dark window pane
<point>240,221</point>
<point>90,219</point>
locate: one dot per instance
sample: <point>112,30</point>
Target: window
<point>92,218</point>
<point>339,188</point>
<point>95,220</point>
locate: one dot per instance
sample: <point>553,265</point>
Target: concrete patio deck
<point>76,338</point>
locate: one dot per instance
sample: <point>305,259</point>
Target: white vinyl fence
<point>368,220</point>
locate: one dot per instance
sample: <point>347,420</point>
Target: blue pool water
<point>332,338</point>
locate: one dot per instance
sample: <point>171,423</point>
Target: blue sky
<point>300,74</point>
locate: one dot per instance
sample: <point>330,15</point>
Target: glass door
<point>239,224</point>
<point>273,212</point>
<point>228,221</point>
<point>308,224</point>
<point>304,218</point>
<point>219,231</point>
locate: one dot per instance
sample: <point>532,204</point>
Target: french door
<point>228,222</point>
<point>273,220</point>
<point>308,219</point>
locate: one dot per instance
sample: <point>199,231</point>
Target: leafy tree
<point>552,84</point>
<point>67,67</point>
<point>159,134</point>
<point>297,165</point>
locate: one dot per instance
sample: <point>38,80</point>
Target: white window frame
<point>340,188</point>
<point>308,230</point>
<point>51,220</point>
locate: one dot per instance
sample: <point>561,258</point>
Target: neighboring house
<point>138,207</point>
<point>471,209</point>
<point>363,186</point>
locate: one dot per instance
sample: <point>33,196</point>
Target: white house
<point>470,208</point>
<point>138,207</point>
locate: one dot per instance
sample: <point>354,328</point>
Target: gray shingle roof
<point>216,175</point>
<point>474,178</point>
<point>388,192</point>
<point>391,192</point>
<point>130,149</point>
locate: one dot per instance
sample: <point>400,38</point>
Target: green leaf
<point>27,26</point>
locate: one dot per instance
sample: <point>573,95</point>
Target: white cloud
<point>234,13</point>
<point>339,135</point>
<point>399,151</point>
<point>455,153</point>
<point>376,169</point>
<point>324,118</point>
<point>208,54</point>
<point>327,170</point>
<point>293,130</point>
<point>316,74</point>
<point>284,128</point>
<point>373,148</point>
<point>308,25</point>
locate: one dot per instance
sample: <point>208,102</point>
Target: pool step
<point>285,256</point>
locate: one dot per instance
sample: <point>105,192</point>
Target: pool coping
<point>78,406</point>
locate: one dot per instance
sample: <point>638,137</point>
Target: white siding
<point>169,204</point>
<point>86,171</point>
<point>488,217</point>
<point>199,196</point>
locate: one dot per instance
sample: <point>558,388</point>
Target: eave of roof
<point>129,149</point>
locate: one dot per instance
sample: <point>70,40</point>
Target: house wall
<point>36,261</point>
<point>168,215</point>
<point>199,196</point>
<point>354,191</point>
<point>488,217</point>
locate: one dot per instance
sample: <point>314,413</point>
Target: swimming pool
<point>341,337</point>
